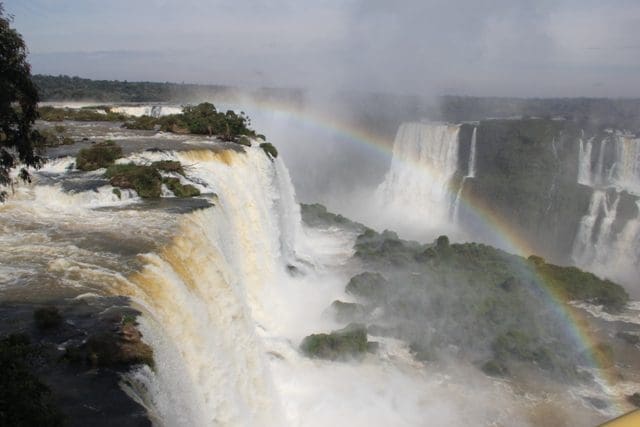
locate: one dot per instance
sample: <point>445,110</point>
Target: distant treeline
<point>66,88</point>
<point>590,113</point>
<point>381,112</point>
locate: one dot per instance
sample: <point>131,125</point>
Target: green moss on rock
<point>243,140</point>
<point>145,180</point>
<point>169,166</point>
<point>180,190</point>
<point>270,149</point>
<point>367,285</point>
<point>343,344</point>
<point>100,155</point>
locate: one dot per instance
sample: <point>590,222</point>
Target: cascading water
<point>596,245</point>
<point>147,110</point>
<point>584,162</point>
<point>417,186</point>
<point>471,173</point>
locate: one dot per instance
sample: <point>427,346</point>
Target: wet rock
<point>47,317</point>
<point>350,342</point>
<point>629,338</point>
<point>634,399</point>
<point>114,349</point>
<point>367,285</point>
<point>347,311</point>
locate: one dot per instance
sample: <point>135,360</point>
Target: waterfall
<point>626,169</point>
<point>622,172</point>
<point>206,295</point>
<point>584,162</point>
<point>425,159</point>
<point>596,246</point>
<point>594,239</point>
<point>147,110</point>
<point>470,174</point>
<point>472,154</point>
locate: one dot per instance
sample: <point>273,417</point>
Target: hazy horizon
<point>502,48</point>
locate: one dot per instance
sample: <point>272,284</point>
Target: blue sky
<point>482,47</point>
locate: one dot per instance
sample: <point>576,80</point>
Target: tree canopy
<point>18,105</point>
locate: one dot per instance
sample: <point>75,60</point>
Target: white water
<point>225,319</point>
<point>622,173</point>
<point>471,173</point>
<point>147,110</point>
<point>584,162</point>
<point>596,247</point>
<point>417,186</point>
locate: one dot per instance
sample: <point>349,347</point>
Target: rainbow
<point>507,237</point>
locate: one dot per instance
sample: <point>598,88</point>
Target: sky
<point>425,47</point>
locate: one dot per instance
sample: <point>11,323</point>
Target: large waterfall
<point>418,185</point>
<point>610,167</point>
<point>209,289</point>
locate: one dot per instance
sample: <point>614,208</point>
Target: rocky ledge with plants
<point>503,313</point>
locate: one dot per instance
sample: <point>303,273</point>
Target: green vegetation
<point>180,190</point>
<point>169,166</point>
<point>24,399</point>
<point>474,298</point>
<point>100,155</point>
<point>243,140</point>
<point>47,317</point>
<point>368,285</point>
<point>97,114</point>
<point>142,123</point>
<point>269,149</point>
<point>18,103</point>
<point>338,345</point>
<point>145,180</point>
<point>201,119</point>
<point>55,137</point>
<point>316,215</point>
<point>574,284</point>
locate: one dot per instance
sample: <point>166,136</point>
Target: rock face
<point>526,178</point>
<point>68,371</point>
<point>119,348</point>
<point>451,300</point>
<point>350,342</point>
<point>535,177</point>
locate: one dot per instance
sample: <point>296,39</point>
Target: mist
<point>498,48</point>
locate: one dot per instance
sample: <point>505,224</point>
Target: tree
<point>18,106</point>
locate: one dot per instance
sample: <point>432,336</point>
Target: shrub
<point>180,190</point>
<point>169,166</point>
<point>24,399</point>
<point>268,148</point>
<point>342,344</point>
<point>243,140</point>
<point>145,180</point>
<point>141,123</point>
<point>100,155</point>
